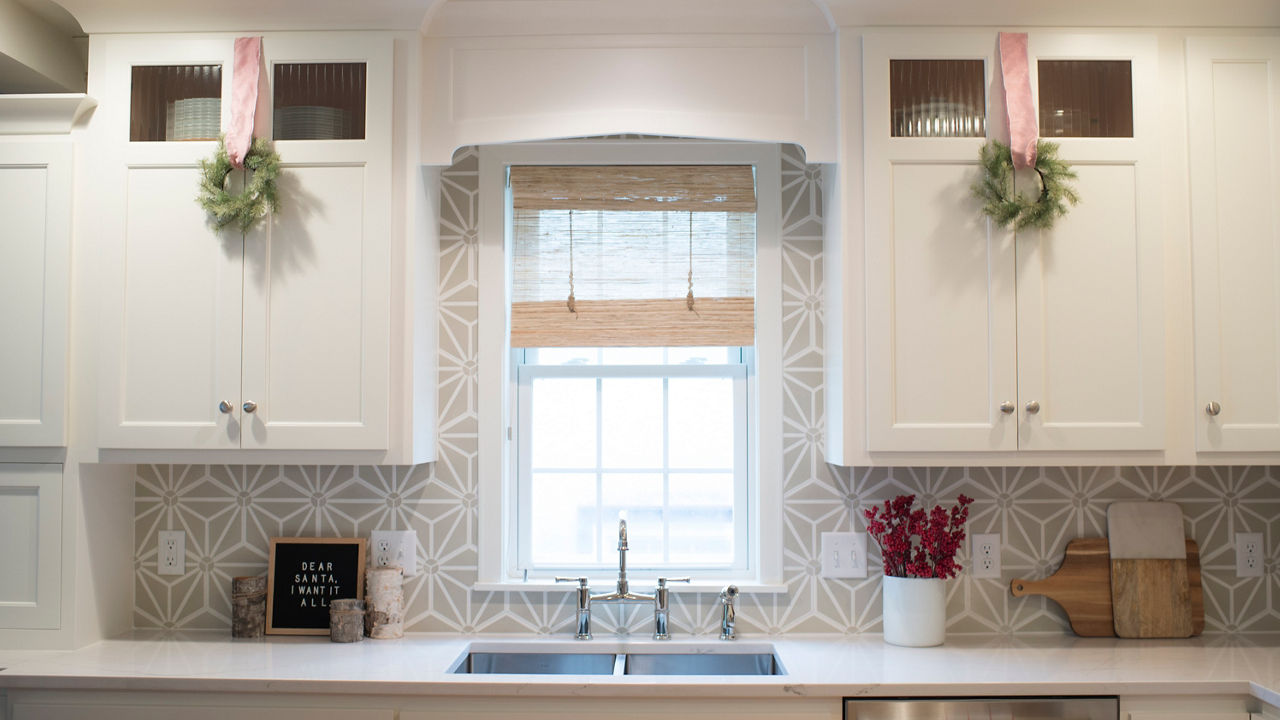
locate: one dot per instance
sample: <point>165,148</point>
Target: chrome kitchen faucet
<point>623,594</point>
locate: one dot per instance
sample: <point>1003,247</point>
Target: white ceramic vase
<point>915,611</point>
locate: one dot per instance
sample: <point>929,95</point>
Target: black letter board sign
<point>304,575</point>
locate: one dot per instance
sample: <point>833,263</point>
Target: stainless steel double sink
<point>750,660</point>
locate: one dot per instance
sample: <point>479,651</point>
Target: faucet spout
<point>623,590</point>
<point>622,593</point>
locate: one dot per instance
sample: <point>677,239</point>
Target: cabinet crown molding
<point>43,114</point>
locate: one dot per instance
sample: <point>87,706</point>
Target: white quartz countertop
<point>816,666</point>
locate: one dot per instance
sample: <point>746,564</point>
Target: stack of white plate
<point>312,122</point>
<point>193,119</point>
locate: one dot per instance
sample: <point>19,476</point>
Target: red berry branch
<point>915,543</point>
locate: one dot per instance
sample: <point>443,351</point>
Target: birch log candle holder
<point>249,606</point>
<point>384,616</point>
<point>346,620</point>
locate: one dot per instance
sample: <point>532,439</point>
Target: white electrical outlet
<point>395,547</point>
<point>986,555</point>
<point>171,558</point>
<point>844,555</point>
<point>1249,555</point>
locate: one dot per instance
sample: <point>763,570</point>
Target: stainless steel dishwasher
<point>1043,708</point>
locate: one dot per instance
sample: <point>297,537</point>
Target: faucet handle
<point>662,581</point>
<point>582,582</point>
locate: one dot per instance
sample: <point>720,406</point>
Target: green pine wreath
<point>262,167</point>
<point>1009,208</point>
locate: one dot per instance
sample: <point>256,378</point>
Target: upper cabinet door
<point>171,320</point>
<point>35,203</point>
<point>941,348</point>
<point>1090,321</point>
<point>1233,92</point>
<point>317,276</point>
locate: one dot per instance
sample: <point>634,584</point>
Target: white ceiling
<point>635,16</point>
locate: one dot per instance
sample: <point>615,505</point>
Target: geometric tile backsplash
<point>229,512</point>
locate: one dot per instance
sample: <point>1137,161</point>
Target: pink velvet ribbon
<point>1017,99</point>
<point>246,69</point>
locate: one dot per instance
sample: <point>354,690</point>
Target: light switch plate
<point>844,555</point>
<point>395,547</point>
<point>171,555</point>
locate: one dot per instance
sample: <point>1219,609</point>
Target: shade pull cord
<point>572,304</point>
<point>688,299</point>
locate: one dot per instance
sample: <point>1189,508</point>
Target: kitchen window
<point>658,434</point>
<point>617,393</point>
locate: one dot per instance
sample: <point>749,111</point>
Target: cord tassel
<point>572,303</point>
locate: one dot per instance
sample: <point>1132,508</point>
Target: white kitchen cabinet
<point>35,202</point>
<point>31,535</point>
<point>980,340</point>
<point>58,711</point>
<point>1233,92</point>
<point>498,708</point>
<point>277,339</point>
<point>1188,716</point>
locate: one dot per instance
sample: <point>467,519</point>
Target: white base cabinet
<point>1192,716</point>
<point>31,538</point>
<point>1194,707</point>
<point>626,709</point>
<point>86,705</point>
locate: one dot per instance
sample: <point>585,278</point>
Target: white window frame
<point>498,385</point>
<point>743,476</point>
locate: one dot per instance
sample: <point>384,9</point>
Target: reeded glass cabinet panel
<point>175,102</point>
<point>319,101</point>
<point>1086,98</point>
<point>937,98</point>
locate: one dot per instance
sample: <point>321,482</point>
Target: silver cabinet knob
<point>225,407</point>
<point>1007,407</point>
<point>249,406</point>
<point>1033,407</point>
<point>1213,409</point>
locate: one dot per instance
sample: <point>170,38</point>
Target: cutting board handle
<point>1020,588</point>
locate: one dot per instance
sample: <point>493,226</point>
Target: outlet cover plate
<point>1249,555</point>
<point>844,555</point>
<point>395,547</point>
<point>986,555</point>
<point>171,552</point>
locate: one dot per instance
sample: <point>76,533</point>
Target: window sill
<point>637,586</point>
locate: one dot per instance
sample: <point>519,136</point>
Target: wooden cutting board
<point>1150,588</point>
<point>1082,586</point>
<point>1197,591</point>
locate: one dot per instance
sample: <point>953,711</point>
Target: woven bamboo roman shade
<point>630,243</point>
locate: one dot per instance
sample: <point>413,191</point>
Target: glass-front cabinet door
<point>980,338</point>
<point>277,338</point>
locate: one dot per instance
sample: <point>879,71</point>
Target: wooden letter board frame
<point>280,578</point>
